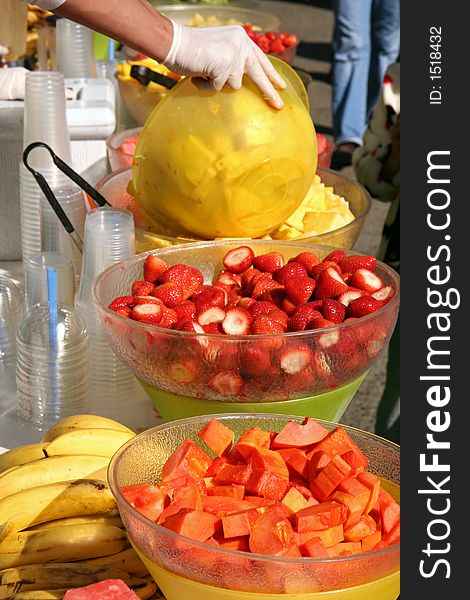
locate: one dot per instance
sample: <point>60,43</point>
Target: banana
<point>64,544</point>
<point>83,422</point>
<point>110,518</point>
<point>127,560</point>
<point>144,590</point>
<point>54,575</point>
<point>54,501</point>
<point>20,456</point>
<point>100,442</point>
<point>52,470</point>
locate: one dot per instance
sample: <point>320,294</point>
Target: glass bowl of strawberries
<point>281,44</point>
<point>248,507</point>
<point>248,325</point>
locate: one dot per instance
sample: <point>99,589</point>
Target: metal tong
<point>47,191</point>
<point>144,75</point>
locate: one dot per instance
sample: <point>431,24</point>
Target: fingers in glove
<point>269,69</point>
<point>235,79</point>
<point>256,73</point>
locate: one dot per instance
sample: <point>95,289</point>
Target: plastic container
<point>340,356</point>
<point>224,164</point>
<point>75,56</point>
<point>185,568</point>
<point>36,278</point>
<point>118,156</point>
<point>11,309</point>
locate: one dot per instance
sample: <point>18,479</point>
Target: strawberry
<point>307,259</point>
<point>171,293</point>
<point>209,295</point>
<point>184,371</point>
<point>288,307</point>
<point>232,280</point>
<point>295,359</point>
<point>168,319</point>
<point>226,383</point>
<point>121,301</point>
<point>385,294</point>
<point>213,314</point>
<point>269,263</point>
<point>255,360</point>
<point>276,295</point>
<point>336,256</point>
<point>239,259</point>
<point>303,317</point>
<point>320,323</point>
<point>299,289</point>
<point>290,40</point>
<point>141,288</point>
<point>350,295</point>
<point>326,340</point>
<point>154,267</point>
<point>365,305</point>
<point>246,302</point>
<point>366,280</point>
<point>123,311</point>
<point>148,313</point>
<point>147,300</point>
<point>277,46</point>
<point>264,283</point>
<point>347,278</point>
<point>268,308</point>
<point>247,278</point>
<point>317,269</point>
<point>263,324</point>
<point>213,328</point>
<point>189,278</point>
<point>185,310</point>
<point>185,325</point>
<point>292,269</point>
<point>321,364</point>
<point>353,263</point>
<point>237,321</point>
<point>333,310</point>
<point>329,284</point>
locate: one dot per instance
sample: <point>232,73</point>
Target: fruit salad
<point>302,492</point>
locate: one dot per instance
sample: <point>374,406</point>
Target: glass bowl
<point>118,157</point>
<point>184,568</point>
<point>339,356</point>
<point>140,100</point>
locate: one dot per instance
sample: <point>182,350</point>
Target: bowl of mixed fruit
<point>261,507</point>
<point>261,326</point>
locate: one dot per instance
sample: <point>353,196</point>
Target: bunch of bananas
<point>59,523</point>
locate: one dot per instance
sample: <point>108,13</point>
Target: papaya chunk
<point>235,490</point>
<point>389,511</point>
<point>217,436</point>
<point>187,459</point>
<point>267,484</point>
<point>233,474</point>
<point>370,541</point>
<point>294,435</point>
<point>195,524</point>
<point>372,482</point>
<point>344,549</point>
<point>321,516</point>
<point>272,534</point>
<point>363,528</point>
<point>294,501</point>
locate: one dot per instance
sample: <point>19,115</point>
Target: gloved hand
<point>12,83</point>
<point>222,55</point>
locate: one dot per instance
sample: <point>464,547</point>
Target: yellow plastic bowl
<point>187,569</point>
<point>225,164</point>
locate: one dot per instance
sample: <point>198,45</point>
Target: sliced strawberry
<point>353,263</point>
<point>365,305</point>
<point>269,263</point>
<point>185,310</point>
<point>333,310</point>
<point>148,313</point>
<point>239,259</point>
<point>330,284</point>
<point>336,256</point>
<point>142,288</point>
<point>147,300</point>
<point>213,328</point>
<point>247,277</point>
<point>213,314</point>
<point>295,359</point>
<point>209,295</point>
<point>189,278</point>
<point>262,307</point>
<point>184,371</point>
<point>303,317</point>
<point>288,307</point>
<point>237,321</point>
<point>226,383</point>
<point>171,293</point>
<point>264,283</point>
<point>385,294</point>
<point>307,259</point>
<point>263,324</point>
<point>292,269</point>
<point>154,267</point>
<point>185,325</point>
<point>315,272</point>
<point>123,311</point>
<point>121,301</point>
<point>350,295</point>
<point>299,289</point>
<point>232,280</point>
<point>246,302</point>
<point>275,295</point>
<point>168,318</point>
<point>347,278</point>
<point>366,280</point>
<point>320,323</point>
<point>321,365</point>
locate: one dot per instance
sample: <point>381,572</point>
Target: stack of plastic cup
<point>109,238</point>
<point>52,363</point>
<point>11,312</point>
<point>74,43</point>
<point>54,238</point>
<point>44,121</point>
<point>36,278</point>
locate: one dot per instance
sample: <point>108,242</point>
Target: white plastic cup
<point>36,278</point>
<point>74,43</point>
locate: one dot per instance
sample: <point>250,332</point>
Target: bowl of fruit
<point>248,326</point>
<point>283,45</point>
<point>248,507</point>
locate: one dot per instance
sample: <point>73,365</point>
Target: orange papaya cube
<point>356,460</point>
<point>296,461</point>
<point>272,534</point>
<point>336,442</point>
<point>168,487</point>
<point>187,459</point>
<point>317,462</point>
<point>372,482</point>
<point>306,493</point>
<point>389,511</point>
<point>186,497</point>
<point>241,452</point>
<point>344,549</point>
<point>294,501</point>
<point>267,484</point>
<point>370,541</point>
<point>355,507</point>
<point>393,536</point>
<point>260,458</point>
<point>195,524</point>
<point>240,543</point>
<point>336,471</point>
<point>321,516</point>
<point>224,505</point>
<point>295,435</point>
<point>150,502</point>
<point>236,525</point>
<point>352,486</point>
<point>216,466</point>
<point>233,474</point>
<point>258,501</point>
<point>234,490</point>
<point>363,528</point>
<point>217,436</point>
<point>329,537</point>
<point>314,548</point>
<point>257,437</point>
<point>130,492</point>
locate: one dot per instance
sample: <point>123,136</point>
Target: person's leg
<point>385,40</point>
<point>351,60</point>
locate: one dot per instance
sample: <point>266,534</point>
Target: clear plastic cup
<point>52,376</point>
<point>74,43</point>
<point>36,278</point>
<point>11,311</point>
<point>54,238</point>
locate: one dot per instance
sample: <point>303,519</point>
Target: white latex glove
<point>12,83</point>
<point>222,55</point>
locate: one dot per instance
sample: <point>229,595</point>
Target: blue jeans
<point>366,40</point>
